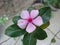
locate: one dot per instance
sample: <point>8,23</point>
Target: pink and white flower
<point>30,20</point>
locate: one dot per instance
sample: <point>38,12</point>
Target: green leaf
<point>29,39</point>
<point>45,25</point>
<point>54,3</point>
<point>40,34</point>
<point>53,40</point>
<point>15,19</point>
<point>14,31</point>
<point>45,13</point>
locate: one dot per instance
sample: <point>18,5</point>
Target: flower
<point>30,20</point>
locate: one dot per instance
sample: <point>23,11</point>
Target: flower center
<point>30,20</point>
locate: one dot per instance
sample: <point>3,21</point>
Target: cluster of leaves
<point>31,38</point>
<point>54,3</point>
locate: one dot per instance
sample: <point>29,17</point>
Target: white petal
<point>30,28</point>
<point>38,21</point>
<point>25,14</point>
<point>34,13</point>
<point>22,23</point>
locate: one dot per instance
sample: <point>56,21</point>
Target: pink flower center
<point>30,20</point>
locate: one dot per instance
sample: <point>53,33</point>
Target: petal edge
<point>38,21</point>
<point>34,13</point>
<point>24,14</point>
<point>30,28</point>
<point>22,23</point>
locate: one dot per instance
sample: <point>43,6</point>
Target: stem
<point>16,41</point>
<point>5,41</point>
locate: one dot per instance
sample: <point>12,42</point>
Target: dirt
<point>11,7</point>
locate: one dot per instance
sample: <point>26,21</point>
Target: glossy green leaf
<point>29,39</point>
<point>14,31</point>
<point>45,25</point>
<point>15,19</point>
<point>40,34</point>
<point>45,13</point>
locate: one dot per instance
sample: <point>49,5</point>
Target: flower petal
<point>38,21</point>
<point>34,13</point>
<point>25,14</point>
<point>22,23</point>
<point>30,28</point>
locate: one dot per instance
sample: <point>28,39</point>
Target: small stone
<point>53,40</point>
